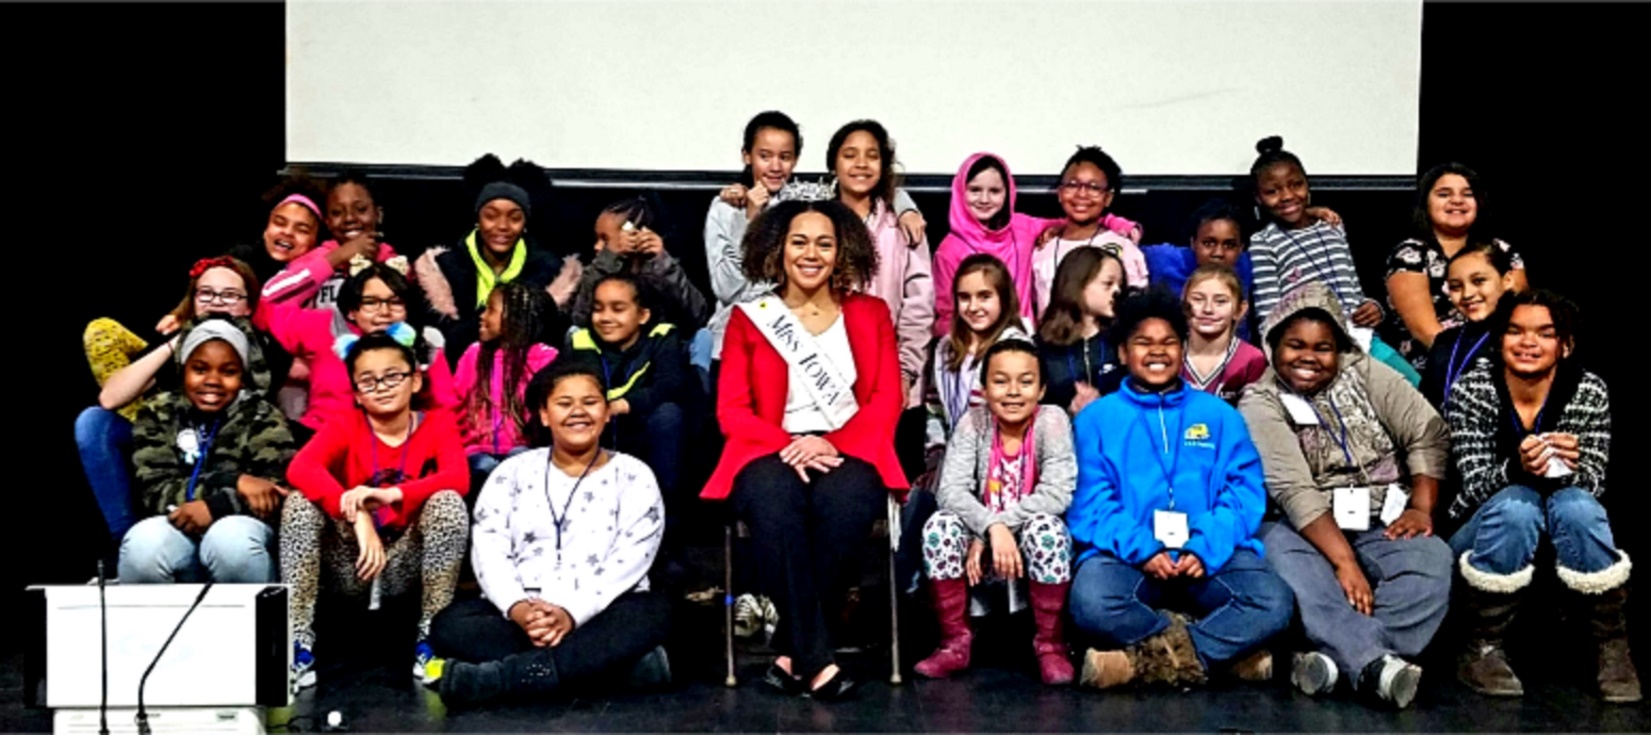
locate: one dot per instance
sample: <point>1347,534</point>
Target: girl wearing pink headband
<point>295,223</point>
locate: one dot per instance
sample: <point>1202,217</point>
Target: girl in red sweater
<point>386,486</point>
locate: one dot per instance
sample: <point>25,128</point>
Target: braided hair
<point>525,320</point>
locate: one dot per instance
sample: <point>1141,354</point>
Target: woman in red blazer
<point>808,398</point>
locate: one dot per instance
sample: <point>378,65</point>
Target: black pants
<point>657,439</point>
<point>802,536</point>
<point>475,631</point>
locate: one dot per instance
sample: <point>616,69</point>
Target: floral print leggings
<point>1045,546</point>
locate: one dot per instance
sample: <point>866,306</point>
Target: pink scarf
<point>995,500</point>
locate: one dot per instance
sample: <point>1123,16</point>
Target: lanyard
<point>1346,453</point>
<point>561,519</point>
<point>205,446</point>
<point>1454,370</point>
<point>1166,469</point>
<point>406,444</point>
<point>1520,431</point>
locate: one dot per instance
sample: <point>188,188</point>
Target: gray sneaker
<point>1313,673</point>
<point>1391,680</point>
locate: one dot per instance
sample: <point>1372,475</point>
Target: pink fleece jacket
<point>495,434</point>
<point>904,281</point>
<point>302,279</point>
<point>309,335</point>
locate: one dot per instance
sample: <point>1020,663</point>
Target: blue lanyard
<point>1453,369</point>
<point>1346,453</point>
<point>1165,469</point>
<point>406,444</point>
<point>1520,431</point>
<point>204,446</point>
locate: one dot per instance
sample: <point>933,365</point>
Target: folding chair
<point>890,528</point>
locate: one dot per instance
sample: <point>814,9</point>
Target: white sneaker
<point>1392,680</point>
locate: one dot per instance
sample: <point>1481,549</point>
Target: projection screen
<point>1175,88</point>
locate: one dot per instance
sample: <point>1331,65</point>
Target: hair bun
<point>1269,144</point>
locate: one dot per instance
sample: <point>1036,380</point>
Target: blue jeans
<point>234,550</point>
<point>1409,579</point>
<point>657,440</point>
<point>1239,607</point>
<point>482,465</point>
<point>105,441</point>
<point>1502,535</point>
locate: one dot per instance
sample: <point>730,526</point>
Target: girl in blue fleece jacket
<point>1173,531</point>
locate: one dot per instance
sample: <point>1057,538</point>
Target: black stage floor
<point>371,687</point>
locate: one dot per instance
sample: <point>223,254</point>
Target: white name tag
<point>1394,504</point>
<point>1170,528</point>
<point>1351,506</point>
<point>1301,412</point>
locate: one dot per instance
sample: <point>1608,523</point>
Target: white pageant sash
<point>785,333</point>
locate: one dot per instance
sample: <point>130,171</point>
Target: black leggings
<point>803,535</point>
<point>474,631</point>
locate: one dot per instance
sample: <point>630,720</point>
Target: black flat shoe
<point>777,679</point>
<point>837,689</point>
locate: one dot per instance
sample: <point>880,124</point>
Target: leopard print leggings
<point>427,555</point>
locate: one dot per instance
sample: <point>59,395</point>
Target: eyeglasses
<point>372,303</point>
<point>1089,188</point>
<point>227,298</point>
<point>387,381</point>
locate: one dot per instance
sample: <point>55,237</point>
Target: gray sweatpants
<point>1410,580</point>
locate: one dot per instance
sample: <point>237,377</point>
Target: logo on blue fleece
<point>1198,435</point>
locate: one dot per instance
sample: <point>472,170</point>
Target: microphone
<point>103,619</point>
<point>142,719</point>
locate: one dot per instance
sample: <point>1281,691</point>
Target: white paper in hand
<point>1170,528</point>
<point>1361,335</point>
<point>1351,507</point>
<point>1394,504</point>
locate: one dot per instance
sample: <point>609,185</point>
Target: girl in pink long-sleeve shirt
<point>371,300</point>
<point>862,158</point>
<point>492,375</point>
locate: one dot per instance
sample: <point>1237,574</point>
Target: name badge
<point>1170,528</point>
<point>1394,504</point>
<point>1301,412</point>
<point>1351,506</point>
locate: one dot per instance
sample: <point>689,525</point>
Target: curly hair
<point>764,245</point>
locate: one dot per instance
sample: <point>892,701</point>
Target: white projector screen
<point>1182,87</point>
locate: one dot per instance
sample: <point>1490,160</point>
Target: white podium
<point>233,655</point>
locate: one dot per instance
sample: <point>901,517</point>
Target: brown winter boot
<point>1483,666</point>
<point>1618,681</point>
<point>951,607</point>
<point>1166,658</point>
<point>1049,642</point>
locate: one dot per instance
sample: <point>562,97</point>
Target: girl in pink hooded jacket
<point>983,220</point>
<point>377,298</point>
<point>861,157</point>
